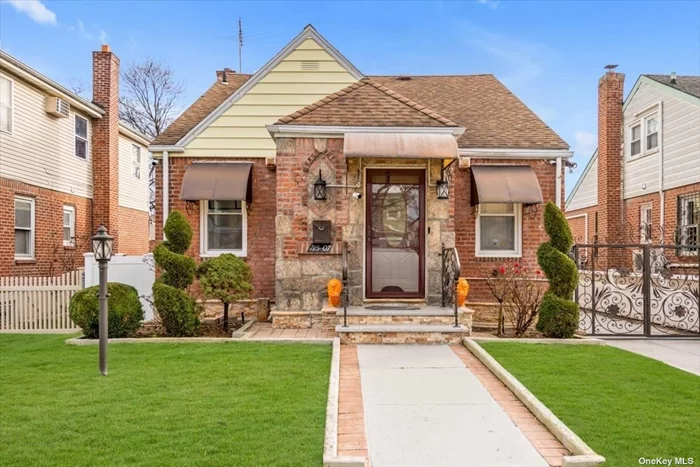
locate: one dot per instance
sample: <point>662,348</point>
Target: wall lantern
<point>443,189</point>
<point>320,188</point>
<point>102,244</point>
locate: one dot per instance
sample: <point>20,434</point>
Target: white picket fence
<point>38,304</point>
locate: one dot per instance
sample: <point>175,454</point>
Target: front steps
<point>394,325</point>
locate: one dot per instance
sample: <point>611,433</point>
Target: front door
<point>395,221</point>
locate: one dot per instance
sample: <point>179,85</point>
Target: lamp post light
<point>102,248</point>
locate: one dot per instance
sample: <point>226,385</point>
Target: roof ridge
<point>367,82</point>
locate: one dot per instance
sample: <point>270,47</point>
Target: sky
<point>549,53</point>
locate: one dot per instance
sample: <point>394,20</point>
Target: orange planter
<point>334,288</point>
<point>462,291</point>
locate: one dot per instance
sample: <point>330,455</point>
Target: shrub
<point>226,278</point>
<point>177,311</point>
<point>559,315</point>
<point>519,296</point>
<point>124,310</point>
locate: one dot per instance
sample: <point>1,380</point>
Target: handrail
<point>345,283</point>
<point>451,271</point>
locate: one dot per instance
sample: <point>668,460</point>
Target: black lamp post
<point>320,188</point>
<point>102,248</point>
<point>443,189</point>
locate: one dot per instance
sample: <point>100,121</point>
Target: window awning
<point>401,145</point>
<point>217,180</point>
<point>505,184</point>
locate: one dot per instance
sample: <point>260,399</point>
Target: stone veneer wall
<point>301,278</point>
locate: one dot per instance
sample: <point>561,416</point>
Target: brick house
<point>66,166</point>
<point>643,182</point>
<point>245,161</point>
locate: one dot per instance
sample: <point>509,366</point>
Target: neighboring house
<point>251,161</point>
<point>66,166</point>
<point>643,182</point>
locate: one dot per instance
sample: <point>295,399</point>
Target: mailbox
<point>322,233</point>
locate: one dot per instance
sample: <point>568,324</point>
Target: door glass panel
<point>395,240</point>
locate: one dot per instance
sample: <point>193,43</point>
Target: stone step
<point>423,316</point>
<point>401,333</point>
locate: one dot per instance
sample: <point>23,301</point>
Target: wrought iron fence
<point>451,270</point>
<point>638,289</point>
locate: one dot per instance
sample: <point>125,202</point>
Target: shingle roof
<point>492,115</point>
<point>200,109</point>
<point>367,103</point>
<point>687,84</point>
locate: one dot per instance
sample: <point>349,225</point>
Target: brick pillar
<point>105,142</point>
<point>610,99</point>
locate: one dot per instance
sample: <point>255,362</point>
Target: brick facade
<point>133,225</point>
<point>260,214</point>
<point>50,256</point>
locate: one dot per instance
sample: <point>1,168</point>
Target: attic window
<point>310,65</point>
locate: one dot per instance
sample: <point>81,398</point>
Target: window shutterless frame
<point>68,225</point>
<point>516,252</point>
<point>204,251</point>
<point>635,137</point>
<point>79,138</point>
<point>136,161</point>
<point>23,203</point>
<point>7,109</point>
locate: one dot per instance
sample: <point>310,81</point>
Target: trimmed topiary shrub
<point>226,278</point>
<point>124,310</point>
<point>177,310</point>
<point>559,315</point>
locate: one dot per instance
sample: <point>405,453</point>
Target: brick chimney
<point>105,142</point>
<point>220,73</point>
<point>610,94</point>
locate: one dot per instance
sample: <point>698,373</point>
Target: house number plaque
<point>319,248</point>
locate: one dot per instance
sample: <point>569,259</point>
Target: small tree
<point>518,295</point>
<point>226,278</point>
<point>497,282</point>
<point>176,309</point>
<point>559,315</point>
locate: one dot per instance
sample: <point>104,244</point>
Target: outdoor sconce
<point>320,188</point>
<point>102,244</point>
<point>443,189</point>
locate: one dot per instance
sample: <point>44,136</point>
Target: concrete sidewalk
<point>683,354</point>
<point>423,407</point>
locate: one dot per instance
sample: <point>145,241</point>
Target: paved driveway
<point>683,354</point>
<point>424,407</point>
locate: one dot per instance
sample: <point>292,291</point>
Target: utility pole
<point>240,45</point>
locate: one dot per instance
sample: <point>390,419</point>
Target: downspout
<point>662,196</point>
<point>558,183</point>
<point>166,189</point>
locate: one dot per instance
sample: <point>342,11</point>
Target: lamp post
<point>102,248</point>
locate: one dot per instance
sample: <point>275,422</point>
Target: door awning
<point>505,184</point>
<point>401,145</point>
<point>217,180</point>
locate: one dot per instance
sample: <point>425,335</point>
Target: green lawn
<point>237,404</point>
<point>623,405</point>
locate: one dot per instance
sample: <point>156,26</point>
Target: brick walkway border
<point>540,437</point>
<point>352,441</point>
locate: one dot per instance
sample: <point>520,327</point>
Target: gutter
<point>166,189</point>
<point>515,153</point>
<point>290,130</point>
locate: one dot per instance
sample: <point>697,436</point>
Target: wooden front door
<point>395,223</point>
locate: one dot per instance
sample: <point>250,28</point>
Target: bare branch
<point>78,87</point>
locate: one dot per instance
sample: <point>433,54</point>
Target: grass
<point>238,404</point>
<point>623,405</point>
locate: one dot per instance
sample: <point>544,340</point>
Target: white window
<point>645,223</point>
<point>499,230</point>
<point>688,217</point>
<point>136,161</point>
<point>6,104</point>
<point>223,227</point>
<point>81,137</point>
<point>636,140</point>
<point>68,225</point>
<point>24,227</point>
<point>651,123</point>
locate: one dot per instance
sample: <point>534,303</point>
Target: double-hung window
<point>6,104</point>
<point>81,137</point>
<point>636,140</point>
<point>68,225</point>
<point>136,161</point>
<point>24,228</point>
<point>651,123</point>
<point>645,223</point>
<point>688,219</point>
<point>499,230</point>
<point>224,227</point>
<point>644,135</point>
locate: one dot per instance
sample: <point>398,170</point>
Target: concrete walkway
<point>423,407</point>
<point>683,354</point>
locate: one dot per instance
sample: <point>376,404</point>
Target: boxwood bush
<point>124,314</point>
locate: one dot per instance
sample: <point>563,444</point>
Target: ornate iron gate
<point>639,289</point>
